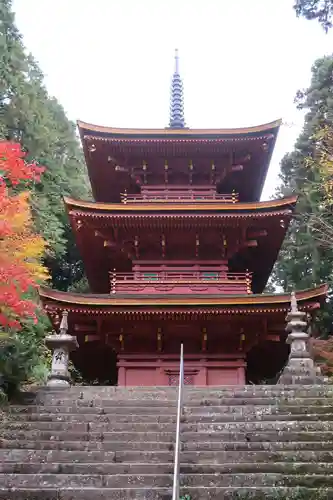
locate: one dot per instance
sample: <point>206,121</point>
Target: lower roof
<point>141,302</point>
<point>238,209</point>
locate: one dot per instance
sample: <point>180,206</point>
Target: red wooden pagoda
<point>178,249</point>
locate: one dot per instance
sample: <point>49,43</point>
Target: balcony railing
<point>181,282</point>
<point>179,197</point>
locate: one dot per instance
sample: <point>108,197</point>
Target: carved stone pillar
<point>300,368</point>
<point>60,344</point>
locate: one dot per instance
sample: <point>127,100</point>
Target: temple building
<point>178,248</point>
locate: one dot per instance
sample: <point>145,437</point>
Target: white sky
<point>110,62</point>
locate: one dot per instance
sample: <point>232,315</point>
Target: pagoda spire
<point>177,99</point>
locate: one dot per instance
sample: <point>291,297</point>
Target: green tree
<point>304,261</point>
<point>37,121</point>
<point>321,10</point>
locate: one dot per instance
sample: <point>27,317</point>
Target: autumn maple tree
<point>323,353</point>
<point>20,248</point>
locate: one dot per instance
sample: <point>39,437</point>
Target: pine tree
<point>304,261</point>
<point>321,10</point>
<point>37,121</point>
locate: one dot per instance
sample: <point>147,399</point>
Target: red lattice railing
<point>181,282</point>
<point>179,197</point>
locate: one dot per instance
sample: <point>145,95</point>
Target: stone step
<point>207,445</point>
<point>93,410</point>
<point>251,431</point>
<point>144,445</point>
<point>138,468</point>
<point>255,436</point>
<point>257,409</point>
<point>114,426</point>
<point>100,403</point>
<point>188,399</point>
<point>171,396</point>
<point>45,418</point>
<point>276,425</point>
<point>284,400</point>
<point>29,429</point>
<point>196,493</point>
<point>164,480</point>
<point>17,428</point>
<point>157,388</point>
<point>200,409</point>
<point>63,436</point>
<point>260,416</point>
<point>132,456</point>
<point>267,445</point>
<point>49,421</point>
<point>189,391</point>
<point>115,443</point>
<point>132,414</point>
<point>257,401</point>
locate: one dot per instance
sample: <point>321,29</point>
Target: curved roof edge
<point>141,301</point>
<point>89,127</point>
<point>162,207</point>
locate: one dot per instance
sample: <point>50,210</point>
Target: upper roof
<point>114,156</point>
<point>87,129</point>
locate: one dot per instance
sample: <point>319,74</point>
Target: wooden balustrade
<point>181,282</point>
<point>179,197</point>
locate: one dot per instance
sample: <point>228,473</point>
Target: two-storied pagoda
<point>178,249</point>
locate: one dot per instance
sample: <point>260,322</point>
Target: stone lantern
<point>300,367</point>
<point>60,344</point>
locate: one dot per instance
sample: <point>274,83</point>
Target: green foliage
<point>23,356</point>
<point>75,374</point>
<point>30,116</point>
<point>321,10</point>
<point>303,261</point>
<point>81,286</point>
<point>16,363</point>
<point>270,287</point>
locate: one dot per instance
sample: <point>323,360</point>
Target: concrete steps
<point>112,443</point>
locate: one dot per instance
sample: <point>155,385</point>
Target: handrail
<point>176,471</point>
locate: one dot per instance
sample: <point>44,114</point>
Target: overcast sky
<point>110,62</point>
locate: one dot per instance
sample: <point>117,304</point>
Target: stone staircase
<point>98,443</point>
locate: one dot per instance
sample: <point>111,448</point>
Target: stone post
<point>300,367</point>
<point>61,344</point>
